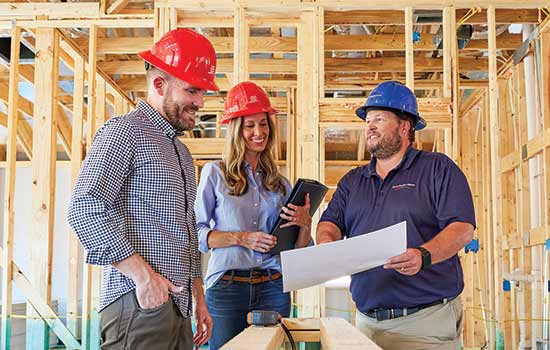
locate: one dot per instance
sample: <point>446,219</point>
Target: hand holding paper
<point>311,266</point>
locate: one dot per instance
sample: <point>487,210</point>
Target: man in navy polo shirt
<point>413,301</point>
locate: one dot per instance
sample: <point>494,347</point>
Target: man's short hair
<point>152,71</point>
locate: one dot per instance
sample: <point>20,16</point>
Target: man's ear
<point>160,85</point>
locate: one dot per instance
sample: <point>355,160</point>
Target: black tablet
<point>287,237</point>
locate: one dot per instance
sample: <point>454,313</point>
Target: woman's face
<point>255,132</point>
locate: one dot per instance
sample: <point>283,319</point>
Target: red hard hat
<point>186,55</point>
<point>244,99</point>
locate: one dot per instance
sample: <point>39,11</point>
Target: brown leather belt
<point>251,279</point>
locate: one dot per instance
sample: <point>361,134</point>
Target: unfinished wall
<point>318,60</point>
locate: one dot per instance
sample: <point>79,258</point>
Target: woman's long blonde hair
<point>234,156</point>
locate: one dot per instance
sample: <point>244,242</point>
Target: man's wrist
<point>426,257</point>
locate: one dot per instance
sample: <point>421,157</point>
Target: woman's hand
<point>259,241</point>
<point>297,215</point>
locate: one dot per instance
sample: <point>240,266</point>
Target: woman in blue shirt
<point>238,200</point>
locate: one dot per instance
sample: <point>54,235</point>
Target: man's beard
<point>386,147</point>
<point>173,113</point>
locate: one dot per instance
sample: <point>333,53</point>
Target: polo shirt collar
<point>406,162</point>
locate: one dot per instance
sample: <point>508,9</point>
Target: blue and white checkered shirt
<point>135,194</point>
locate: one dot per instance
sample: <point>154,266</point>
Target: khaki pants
<point>126,326</point>
<point>437,328</point>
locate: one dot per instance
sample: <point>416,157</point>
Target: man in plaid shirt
<point>132,206</point>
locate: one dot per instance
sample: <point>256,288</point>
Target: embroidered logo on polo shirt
<point>403,187</point>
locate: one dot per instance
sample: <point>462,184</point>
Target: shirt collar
<point>406,162</point>
<point>156,118</point>
<point>248,167</point>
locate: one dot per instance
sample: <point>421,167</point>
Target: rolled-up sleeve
<point>337,205</point>
<point>205,205</point>
<point>91,211</point>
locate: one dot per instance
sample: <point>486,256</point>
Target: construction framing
<point>482,123</point>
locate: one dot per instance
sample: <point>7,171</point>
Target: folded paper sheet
<point>314,265</point>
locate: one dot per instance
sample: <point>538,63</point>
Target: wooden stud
<point>409,50</point>
<point>41,307</point>
<point>117,6</point>
<point>43,185</point>
<point>496,187</point>
<point>9,188</point>
<point>240,52</point>
<point>307,137</point>
<point>74,252</point>
<point>101,116</point>
<point>92,82</point>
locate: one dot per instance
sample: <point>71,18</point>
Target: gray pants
<point>126,326</point>
<point>437,327</point>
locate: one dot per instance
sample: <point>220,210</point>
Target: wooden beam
<point>201,148</point>
<point>288,66</point>
<point>23,105</point>
<point>92,83</point>
<point>345,82</point>
<point>117,6</point>
<point>69,45</point>
<point>64,128</point>
<point>52,10</point>
<point>240,45</point>
<point>74,251</point>
<point>43,184</point>
<point>339,111</point>
<point>256,338</point>
<point>388,17</point>
<point>338,334</point>
<point>348,5</point>
<point>409,51</point>
<point>378,42</point>
<point>9,188</point>
<point>496,298</point>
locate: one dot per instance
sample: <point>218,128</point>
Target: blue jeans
<point>229,302</point>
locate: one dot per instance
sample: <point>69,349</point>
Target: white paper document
<point>314,265</point>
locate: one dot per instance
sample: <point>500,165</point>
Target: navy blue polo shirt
<point>429,192</point>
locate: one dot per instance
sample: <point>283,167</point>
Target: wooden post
<point>409,52</point>
<point>307,131</point>
<point>545,109</point>
<point>100,102</point>
<point>92,63</point>
<point>496,185</point>
<point>74,250</point>
<point>240,46</point>
<point>9,188</point>
<point>449,65</point>
<point>43,180</point>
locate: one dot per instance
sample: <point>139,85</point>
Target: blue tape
<point>506,286</point>
<point>548,286</point>
<point>473,246</point>
<point>416,37</point>
<point>548,244</point>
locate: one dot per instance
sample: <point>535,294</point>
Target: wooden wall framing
<point>477,131</point>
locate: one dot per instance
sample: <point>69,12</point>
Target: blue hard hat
<point>394,96</point>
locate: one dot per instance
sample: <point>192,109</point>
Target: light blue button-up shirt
<point>216,209</point>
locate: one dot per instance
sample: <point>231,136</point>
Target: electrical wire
<point>289,335</point>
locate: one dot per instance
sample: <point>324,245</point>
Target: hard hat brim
<point>204,84</point>
<point>362,111</point>
<point>227,118</point>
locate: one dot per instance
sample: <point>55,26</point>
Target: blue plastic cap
<point>395,96</point>
<point>506,286</point>
<point>416,37</point>
<point>472,246</point>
